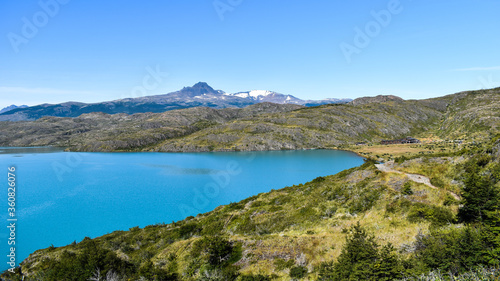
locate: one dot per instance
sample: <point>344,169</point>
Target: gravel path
<point>387,167</point>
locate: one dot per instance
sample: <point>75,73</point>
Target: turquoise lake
<point>63,197</point>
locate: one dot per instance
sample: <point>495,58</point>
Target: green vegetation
<point>407,189</point>
<point>478,273</point>
<point>481,194</point>
<point>362,259</point>
<point>454,250</point>
<point>437,215</point>
<point>298,272</point>
<point>360,224</point>
<point>91,260</point>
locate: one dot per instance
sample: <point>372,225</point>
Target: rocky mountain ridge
<point>11,107</point>
<point>200,94</point>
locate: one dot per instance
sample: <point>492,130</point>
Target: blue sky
<point>73,50</point>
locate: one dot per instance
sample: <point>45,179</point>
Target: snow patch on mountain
<point>270,96</point>
<point>255,94</point>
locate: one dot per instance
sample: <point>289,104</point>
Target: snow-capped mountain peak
<point>255,94</point>
<point>270,96</point>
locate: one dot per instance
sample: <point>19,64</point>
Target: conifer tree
<point>358,256</point>
<point>389,266</point>
<point>481,195</point>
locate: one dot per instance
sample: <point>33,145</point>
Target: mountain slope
<point>103,132</point>
<point>266,126</point>
<point>316,127</point>
<point>11,107</point>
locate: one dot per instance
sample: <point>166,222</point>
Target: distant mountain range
<point>200,94</point>
<point>11,107</point>
<point>266,126</point>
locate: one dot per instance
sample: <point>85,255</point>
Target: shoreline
<point>66,149</point>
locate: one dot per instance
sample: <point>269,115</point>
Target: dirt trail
<point>386,167</point>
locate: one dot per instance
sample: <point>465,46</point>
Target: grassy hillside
<point>303,224</point>
<point>296,229</point>
<point>471,114</point>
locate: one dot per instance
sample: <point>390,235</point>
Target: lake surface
<point>64,196</point>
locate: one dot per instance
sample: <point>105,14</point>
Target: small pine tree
<point>358,256</point>
<point>389,266</point>
<point>407,189</point>
<point>298,272</point>
<point>493,232</point>
<point>480,195</point>
<point>326,271</point>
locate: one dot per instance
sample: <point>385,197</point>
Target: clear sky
<point>73,50</point>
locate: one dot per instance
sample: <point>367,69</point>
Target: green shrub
<point>478,273</point>
<point>298,272</point>
<point>438,182</point>
<point>364,200</point>
<point>151,272</point>
<point>400,159</point>
<point>275,208</point>
<point>135,228</point>
<point>217,250</point>
<point>389,265</point>
<point>82,266</point>
<point>281,264</point>
<point>437,215</point>
<point>450,200</point>
<point>236,206</point>
<point>318,180</point>
<point>189,229</point>
<point>455,250</point>
<point>400,205</point>
<point>407,189</point>
<point>361,259</point>
<point>357,257</point>
<point>326,271</point>
<point>212,228</point>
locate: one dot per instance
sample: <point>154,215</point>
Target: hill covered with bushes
<point>360,224</point>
